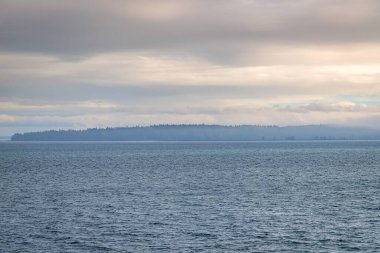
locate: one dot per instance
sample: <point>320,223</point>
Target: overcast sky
<point>96,63</point>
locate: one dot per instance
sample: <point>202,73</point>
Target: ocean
<point>321,196</point>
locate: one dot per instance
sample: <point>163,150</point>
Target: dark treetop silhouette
<point>203,133</point>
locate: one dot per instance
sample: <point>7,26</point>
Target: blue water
<point>190,197</point>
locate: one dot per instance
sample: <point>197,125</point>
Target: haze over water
<point>188,197</point>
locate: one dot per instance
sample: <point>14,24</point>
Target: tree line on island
<point>203,133</point>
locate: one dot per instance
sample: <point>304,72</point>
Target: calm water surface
<point>190,197</point>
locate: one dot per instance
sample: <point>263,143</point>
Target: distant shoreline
<point>203,133</point>
<point>183,142</point>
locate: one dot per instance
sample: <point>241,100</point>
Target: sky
<point>79,64</point>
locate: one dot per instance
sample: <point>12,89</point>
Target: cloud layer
<point>77,64</point>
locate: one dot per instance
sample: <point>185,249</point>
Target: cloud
<point>221,31</point>
<point>329,108</point>
<point>6,118</point>
<point>125,69</point>
<point>92,63</point>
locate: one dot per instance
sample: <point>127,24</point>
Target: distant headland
<point>203,133</point>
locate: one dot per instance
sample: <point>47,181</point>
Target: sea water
<point>190,197</point>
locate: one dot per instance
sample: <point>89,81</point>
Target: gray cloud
<point>334,107</point>
<point>73,92</point>
<point>222,31</point>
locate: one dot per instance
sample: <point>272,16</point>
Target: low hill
<point>203,133</point>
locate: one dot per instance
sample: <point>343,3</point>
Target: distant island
<point>203,133</point>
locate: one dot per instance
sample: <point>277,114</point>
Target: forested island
<point>203,133</point>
